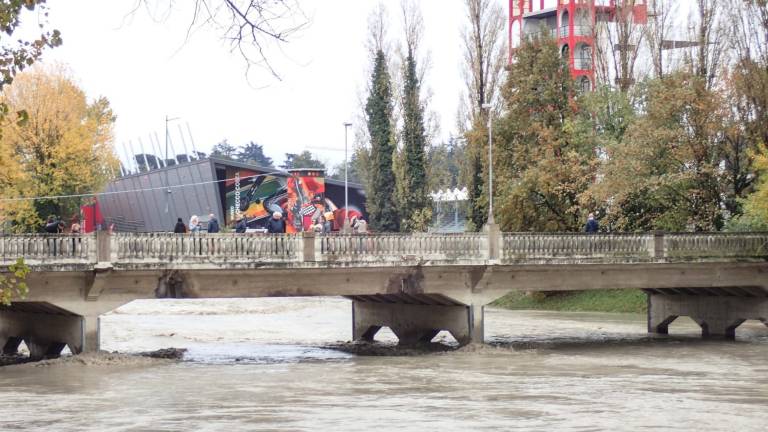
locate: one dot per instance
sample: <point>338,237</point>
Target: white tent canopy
<point>450,195</point>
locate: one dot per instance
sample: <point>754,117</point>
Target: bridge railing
<point>715,245</point>
<point>520,247</point>
<point>465,248</point>
<point>389,247</point>
<point>48,249</point>
<point>204,247</point>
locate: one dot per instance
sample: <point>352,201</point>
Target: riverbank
<point>621,301</point>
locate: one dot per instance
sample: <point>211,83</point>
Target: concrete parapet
<point>718,316</point>
<point>414,324</point>
<point>46,330</point>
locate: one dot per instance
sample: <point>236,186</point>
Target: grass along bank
<point>626,301</point>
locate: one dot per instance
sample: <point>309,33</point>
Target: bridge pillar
<point>46,330</point>
<point>718,316</point>
<point>414,324</point>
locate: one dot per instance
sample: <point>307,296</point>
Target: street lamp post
<point>489,107</point>
<point>167,184</point>
<point>345,228</point>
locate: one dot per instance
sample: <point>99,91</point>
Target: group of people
<point>275,225</point>
<point>196,226</point>
<point>57,226</point>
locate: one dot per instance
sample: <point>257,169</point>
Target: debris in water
<point>389,349</point>
<point>166,353</point>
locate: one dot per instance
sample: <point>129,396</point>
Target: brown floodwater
<point>265,365</point>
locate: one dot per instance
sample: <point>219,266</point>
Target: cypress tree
<point>415,199</point>
<point>378,109</point>
<point>477,213</point>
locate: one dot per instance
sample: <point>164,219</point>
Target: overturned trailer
<point>151,201</point>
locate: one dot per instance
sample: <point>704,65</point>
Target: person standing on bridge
<point>276,225</point>
<point>180,228</point>
<point>592,226</point>
<point>194,224</point>
<point>241,226</point>
<point>213,224</point>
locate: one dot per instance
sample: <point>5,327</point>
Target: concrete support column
<point>414,324</point>
<point>718,316</point>
<point>46,334</point>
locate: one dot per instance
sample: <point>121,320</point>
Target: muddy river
<point>266,364</point>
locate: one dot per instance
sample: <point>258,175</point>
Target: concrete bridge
<point>416,284</point>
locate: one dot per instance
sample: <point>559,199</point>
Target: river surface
<point>264,365</point>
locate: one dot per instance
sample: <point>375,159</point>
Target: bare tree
<point>746,94</point>
<point>710,37</point>
<point>484,42</point>
<point>621,40</point>
<point>749,31</point>
<point>378,22</point>
<point>413,26</point>
<point>252,27</point>
<point>657,32</point>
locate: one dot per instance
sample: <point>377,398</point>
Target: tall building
<point>572,23</point>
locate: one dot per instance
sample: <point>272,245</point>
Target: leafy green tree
<point>443,165</point>
<point>12,282</point>
<point>545,157</point>
<point>304,159</point>
<point>380,201</point>
<point>224,150</point>
<point>253,153</point>
<point>415,201</point>
<point>666,172</point>
<point>473,174</point>
<point>755,217</point>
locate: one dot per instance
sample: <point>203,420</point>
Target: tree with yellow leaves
<point>755,217</point>
<point>58,144</point>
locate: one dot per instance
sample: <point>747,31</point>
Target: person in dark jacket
<point>213,224</point>
<point>592,225</point>
<point>51,226</point>
<point>180,228</point>
<point>241,225</point>
<point>276,225</point>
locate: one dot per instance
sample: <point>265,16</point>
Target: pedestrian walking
<point>592,226</point>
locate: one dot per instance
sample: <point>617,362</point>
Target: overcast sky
<point>147,71</point>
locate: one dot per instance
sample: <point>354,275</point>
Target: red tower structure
<point>571,23</point>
